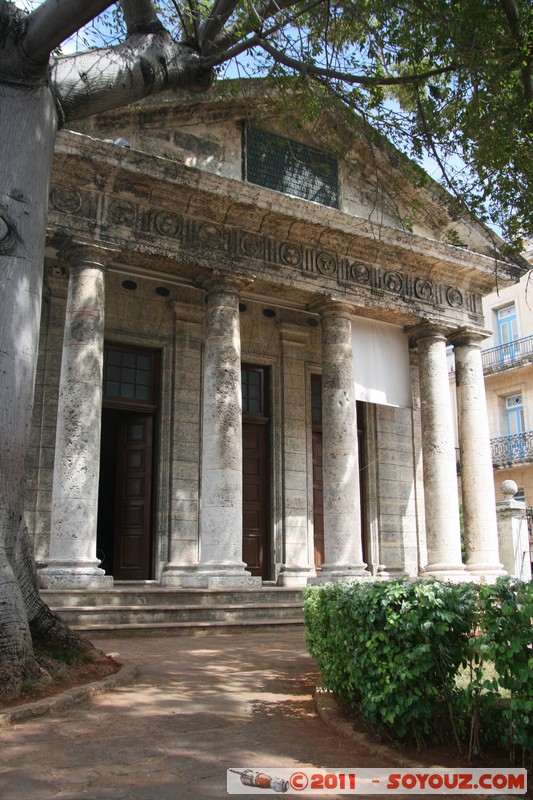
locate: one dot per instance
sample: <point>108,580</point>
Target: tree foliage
<point>448,79</point>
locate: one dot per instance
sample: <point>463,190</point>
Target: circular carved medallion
<point>167,224</point>
<point>66,199</point>
<point>360,273</point>
<point>212,235</point>
<point>393,282</point>
<point>326,264</point>
<point>423,289</point>
<point>454,297</point>
<point>122,212</point>
<point>252,245</point>
<point>290,255</point>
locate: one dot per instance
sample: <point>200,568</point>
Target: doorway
<point>125,536</point>
<point>256,469</point>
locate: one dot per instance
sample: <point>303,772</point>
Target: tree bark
<point>34,101</point>
<point>98,80</point>
<point>27,131</point>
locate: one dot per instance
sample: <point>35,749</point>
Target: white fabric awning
<point>381,363</point>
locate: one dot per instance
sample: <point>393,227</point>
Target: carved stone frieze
<point>200,235</point>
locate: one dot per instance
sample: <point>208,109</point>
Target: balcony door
<point>507,332</point>
<point>514,411</point>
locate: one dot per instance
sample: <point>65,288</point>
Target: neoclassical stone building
<point>243,371</point>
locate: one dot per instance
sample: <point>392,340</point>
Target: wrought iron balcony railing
<point>510,449</point>
<point>507,355</point>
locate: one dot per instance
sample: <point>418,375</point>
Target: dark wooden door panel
<point>133,507</point>
<point>318,499</point>
<point>255,497</point>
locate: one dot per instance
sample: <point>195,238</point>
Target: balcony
<point>514,449</point>
<point>508,356</point>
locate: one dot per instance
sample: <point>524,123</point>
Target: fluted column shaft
<point>72,558</point>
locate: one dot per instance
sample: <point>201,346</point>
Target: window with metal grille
<point>291,167</point>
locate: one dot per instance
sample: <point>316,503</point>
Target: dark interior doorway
<point>256,469</point>
<point>125,535</point>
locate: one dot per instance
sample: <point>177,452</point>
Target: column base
<point>293,575</point>
<point>456,573</point>
<point>73,575</point>
<point>486,573</point>
<point>333,573</point>
<point>223,576</point>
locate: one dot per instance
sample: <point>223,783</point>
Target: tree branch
<point>54,21</point>
<point>140,17</point>
<point>346,77</point>
<point>215,21</point>
<point>231,35</point>
<point>98,80</point>
<point>511,12</point>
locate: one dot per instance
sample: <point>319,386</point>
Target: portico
<point>257,432</point>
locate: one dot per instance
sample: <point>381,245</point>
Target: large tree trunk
<point>27,133</point>
<point>35,99</point>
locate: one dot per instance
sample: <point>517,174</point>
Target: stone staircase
<point>146,608</point>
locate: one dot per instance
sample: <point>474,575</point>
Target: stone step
<point>148,608</point>
<point>152,595</point>
<point>188,628</point>
<point>136,614</point>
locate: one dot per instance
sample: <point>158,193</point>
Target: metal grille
<point>507,354</point>
<point>517,447</point>
<point>291,167</point>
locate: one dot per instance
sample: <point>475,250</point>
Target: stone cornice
<point>141,203</point>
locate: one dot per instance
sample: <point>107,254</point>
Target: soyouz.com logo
<point>286,780</point>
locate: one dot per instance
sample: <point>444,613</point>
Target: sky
<point>87,37</point>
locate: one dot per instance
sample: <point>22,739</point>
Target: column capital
<point>221,281</point>
<point>330,306</point>
<point>78,253</point>
<point>427,330</point>
<point>469,337</point>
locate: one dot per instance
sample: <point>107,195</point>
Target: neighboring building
<point>260,339</point>
<point>508,368</point>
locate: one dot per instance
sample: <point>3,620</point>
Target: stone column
<point>342,516</point>
<point>221,561</point>
<point>513,533</point>
<point>477,483</point>
<point>297,548</point>
<point>72,561</point>
<point>441,496</point>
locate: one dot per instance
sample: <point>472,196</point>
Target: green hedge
<point>394,649</point>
